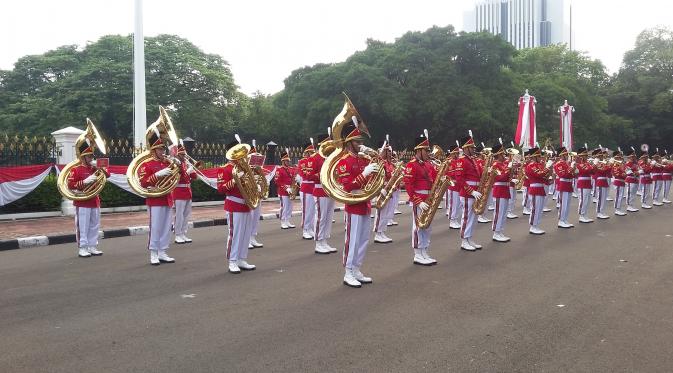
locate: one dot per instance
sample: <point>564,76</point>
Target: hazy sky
<point>264,40</point>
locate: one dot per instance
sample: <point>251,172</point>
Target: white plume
<point>311,138</point>
<point>254,143</point>
<point>500,139</point>
<point>238,138</point>
<point>329,131</point>
<point>355,121</point>
<point>425,132</point>
<point>469,132</point>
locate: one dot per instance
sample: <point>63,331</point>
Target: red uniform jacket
<point>619,174</point>
<point>305,170</point>
<point>418,179</point>
<point>316,165</point>
<point>565,175</point>
<point>668,172</point>
<point>234,201</point>
<point>284,178</point>
<point>632,176</point>
<point>645,170</point>
<point>537,174</point>
<point>502,181</point>
<point>657,172</point>
<point>184,190</point>
<point>468,174</point>
<point>584,172</point>
<point>451,172</point>
<point>147,177</point>
<point>526,181</point>
<point>349,174</point>
<point>602,174</point>
<point>76,182</point>
<point>514,173</point>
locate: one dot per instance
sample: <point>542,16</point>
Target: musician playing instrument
<point>306,172</point>
<point>538,174</point>
<point>618,171</point>
<point>468,175</point>
<point>631,168</point>
<point>324,205</point>
<point>87,211</point>
<point>480,160</point>
<point>419,174</point>
<point>513,156</point>
<point>526,198</point>
<point>239,214</point>
<point>454,209</point>
<point>285,178</point>
<point>645,170</point>
<point>182,195</point>
<point>500,192</point>
<point>601,185</point>
<point>584,172</point>
<point>565,175</point>
<point>256,212</point>
<point>657,178</point>
<point>667,177</point>
<point>385,213</point>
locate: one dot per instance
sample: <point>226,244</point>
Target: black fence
<point>23,150</point>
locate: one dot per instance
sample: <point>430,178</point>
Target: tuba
<point>166,183</point>
<point>485,184</point>
<point>435,195</point>
<point>91,135</point>
<point>328,171</point>
<point>247,184</point>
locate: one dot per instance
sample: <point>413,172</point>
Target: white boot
<point>84,252</point>
<point>499,237</point>
<point>584,219</point>
<point>427,257</point>
<point>631,209</point>
<point>381,237</point>
<point>535,230</point>
<point>511,215</point>
<point>244,265</point>
<point>483,219</point>
<point>154,257</point>
<point>360,277</point>
<point>179,240</point>
<point>255,243</point>
<point>284,225</point>
<point>474,244</point>
<point>321,247</point>
<point>187,239</point>
<point>526,211</point>
<point>94,251</point>
<point>420,259</point>
<point>620,213</point>
<point>465,245</point>
<point>666,200</point>
<point>350,280</point>
<point>602,216</point>
<point>164,258</point>
<point>289,224</point>
<point>454,224</point>
<point>233,267</point>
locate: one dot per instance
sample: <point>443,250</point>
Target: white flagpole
<point>139,111</point>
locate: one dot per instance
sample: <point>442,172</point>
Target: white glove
<point>240,174</point>
<point>297,178</point>
<point>476,194</point>
<point>515,181</point>
<point>93,163</point>
<point>90,179</point>
<point>163,172</point>
<point>423,206</point>
<point>372,167</point>
<point>383,193</point>
<point>190,169</point>
<point>549,163</point>
<point>572,165</point>
<point>629,171</point>
<point>288,190</point>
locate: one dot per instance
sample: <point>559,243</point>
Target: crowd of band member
<point>588,175</point>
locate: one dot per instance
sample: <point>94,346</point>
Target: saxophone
<point>485,184</point>
<point>521,176</point>
<point>391,185</point>
<point>439,187</point>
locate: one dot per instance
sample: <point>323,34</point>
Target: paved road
<point>593,299</point>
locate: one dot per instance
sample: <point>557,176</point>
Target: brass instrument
<point>166,183</point>
<point>247,184</point>
<point>435,195</point>
<point>328,171</point>
<point>93,189</point>
<point>437,155</point>
<point>294,190</point>
<point>261,181</point>
<point>391,185</point>
<point>520,177</point>
<point>485,184</point>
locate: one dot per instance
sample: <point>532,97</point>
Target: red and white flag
<point>526,135</point>
<point>566,130</point>
<point>16,182</point>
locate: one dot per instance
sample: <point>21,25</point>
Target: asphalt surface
<point>597,298</point>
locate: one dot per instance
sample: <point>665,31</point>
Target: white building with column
<point>523,23</point>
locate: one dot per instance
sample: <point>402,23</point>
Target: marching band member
<point>256,212</point>
<point>385,214</point>
<point>631,169</point>
<point>667,177</point>
<point>468,175</point>
<point>657,180</point>
<point>565,174</point>
<point>87,212</point>
<point>284,178</point>
<point>353,173</point>
<point>419,174</point>
<point>619,181</point>
<point>324,205</point>
<point>500,192</point>
<point>239,215</point>
<point>150,173</point>
<point>454,208</point>
<point>584,172</point>
<point>645,180</point>
<point>601,186</point>
<point>395,199</point>
<point>305,171</point>
<point>516,164</point>
<point>526,202</point>
<point>182,195</point>
<point>480,160</point>
<point>538,173</point>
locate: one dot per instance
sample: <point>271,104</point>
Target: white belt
<point>473,183</point>
<point>318,186</point>
<point>666,174</point>
<point>307,182</point>
<point>566,180</point>
<point>584,178</point>
<point>537,185</point>
<point>601,178</point>
<point>501,183</point>
<point>182,186</point>
<point>422,191</point>
<point>657,174</point>
<point>236,199</point>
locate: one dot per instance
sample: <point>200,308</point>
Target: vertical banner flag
<point>566,130</point>
<point>526,135</point>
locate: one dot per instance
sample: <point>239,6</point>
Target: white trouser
<point>563,201</point>
<point>285,208</point>
<point>491,200</point>
<point>512,200</point>
<point>383,216</point>
<point>658,187</point>
<point>500,214</point>
<point>447,199</point>
<point>255,218</point>
<point>455,207</point>
<point>536,206</point>
<point>240,230</point>
<point>394,200</point>
<point>87,222</point>
<point>602,197</point>
<point>524,200</point>
<point>585,200</point>
<point>646,198</point>
<point>160,227</point>
<point>468,218</point>
<point>307,213</point>
<point>183,211</point>
<point>551,188</point>
<point>357,239</point>
<point>631,190</point>
<point>323,218</point>
<point>546,194</point>
<point>667,188</point>
<point>619,197</point>
<point>420,238</point>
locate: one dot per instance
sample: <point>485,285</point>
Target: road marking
<point>183,296</point>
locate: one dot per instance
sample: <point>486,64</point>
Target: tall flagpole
<point>139,111</point>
